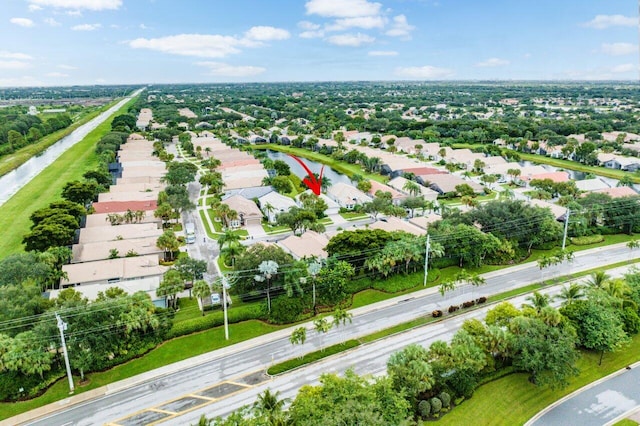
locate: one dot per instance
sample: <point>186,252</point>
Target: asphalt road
<point>233,362</point>
<point>598,404</point>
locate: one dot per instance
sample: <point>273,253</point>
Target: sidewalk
<point>236,348</point>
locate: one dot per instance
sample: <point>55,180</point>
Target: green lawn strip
<point>512,400</point>
<point>22,155</point>
<point>339,166</point>
<point>353,215</point>
<point>223,266</point>
<point>206,224</point>
<point>311,357</point>
<point>172,351</point>
<point>47,187</point>
<point>626,422</point>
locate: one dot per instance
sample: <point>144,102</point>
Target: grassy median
<point>47,187</point>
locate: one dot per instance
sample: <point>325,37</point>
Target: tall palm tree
<point>267,269</point>
<point>619,289</point>
<point>201,290</point>
<point>412,188</point>
<point>228,237</point>
<point>570,294</point>
<point>232,251</point>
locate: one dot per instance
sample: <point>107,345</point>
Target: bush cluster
<point>216,319</point>
<point>437,313</point>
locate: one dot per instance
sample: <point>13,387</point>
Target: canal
<point>314,166</point>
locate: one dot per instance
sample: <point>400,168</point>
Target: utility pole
<point>426,261</point>
<point>224,307</point>
<point>566,228</point>
<point>62,326</point>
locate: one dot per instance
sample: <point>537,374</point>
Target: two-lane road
<point>154,388</point>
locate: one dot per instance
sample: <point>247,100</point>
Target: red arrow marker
<point>314,184</point>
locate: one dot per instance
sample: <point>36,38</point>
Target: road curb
<point>544,411</point>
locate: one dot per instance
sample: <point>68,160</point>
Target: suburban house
<point>332,207</point>
<point>248,211</point>
<point>111,271</point>
<point>391,223</point>
<point>272,204</point>
<point>100,250</point>
<point>399,183</point>
<point>619,192</point>
<point>588,185</point>
<point>100,219</point>
<point>347,196</point>
<point>397,197</point>
<point>556,177</point>
<point>148,285</point>
<point>614,161</point>
<point>424,221</point>
<point>144,118</point>
<point>119,232</point>
<point>558,212</point>
<point>305,246</point>
<point>445,184</point>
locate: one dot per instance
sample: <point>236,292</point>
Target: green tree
<point>410,371</point>
<point>169,243</point>
<point>46,235</point>
<point>80,192</point>
<point>267,269</point>
<point>201,290</point>
<point>171,284</point>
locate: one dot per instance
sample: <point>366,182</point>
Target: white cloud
<point>400,27</point>
<point>57,74</point>
<point>23,81</point>
<point>619,49</point>
<point>143,27</point>
<point>308,26</point>
<point>23,22</point>
<point>86,27</point>
<point>266,33</point>
<point>67,67</point>
<point>342,8</point>
<point>52,22</point>
<point>618,69</point>
<point>79,4</point>
<point>34,8</point>
<point>383,53</point>
<point>427,72</point>
<point>492,62</point>
<point>14,65</point>
<point>366,22</point>
<point>14,55</point>
<point>222,69</point>
<point>74,13</point>
<point>601,22</point>
<point>352,40</point>
<point>311,34</point>
<point>209,45</point>
<point>206,46</point>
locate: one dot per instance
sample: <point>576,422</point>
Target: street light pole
<point>224,308</point>
<point>566,228</point>
<point>426,260</point>
<point>62,326</point>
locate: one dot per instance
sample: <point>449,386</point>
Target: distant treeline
<point>19,130</point>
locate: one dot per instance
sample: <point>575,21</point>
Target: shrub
<point>468,304</point>
<point>437,313</point>
<point>481,300</point>
<point>436,405</point>
<point>424,408</point>
<point>445,398</point>
<point>589,239</point>
<point>285,310</point>
<point>215,319</point>
<point>453,308</point>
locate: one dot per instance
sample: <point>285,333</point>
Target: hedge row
<point>586,240</point>
<point>254,312</point>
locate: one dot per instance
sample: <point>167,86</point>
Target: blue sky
<point>67,42</point>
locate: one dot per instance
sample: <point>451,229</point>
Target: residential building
<point>308,245</point>
<point>272,204</point>
<point>248,211</point>
<point>347,196</point>
<point>111,271</point>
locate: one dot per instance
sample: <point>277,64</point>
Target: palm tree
<point>598,279</point>
<point>169,243</point>
<point>412,188</point>
<point>201,290</point>
<point>232,251</point>
<point>619,289</point>
<point>269,405</point>
<point>269,209</point>
<point>228,237</point>
<point>322,326</point>
<point>570,294</point>
<point>267,269</point>
<point>537,301</point>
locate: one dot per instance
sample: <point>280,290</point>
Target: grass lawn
<point>338,166</point>
<point>626,422</point>
<point>353,215</point>
<point>169,352</point>
<point>47,187</point>
<point>275,229</point>
<point>15,160</point>
<point>519,400</point>
<point>206,224</point>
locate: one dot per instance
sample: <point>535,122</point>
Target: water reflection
<point>13,181</point>
<point>314,166</point>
